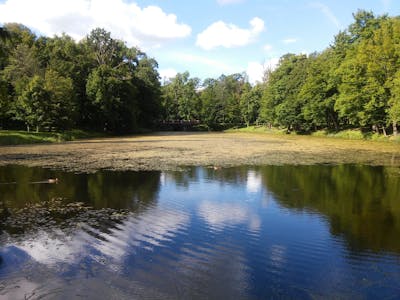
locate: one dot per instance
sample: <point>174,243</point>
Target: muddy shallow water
<point>171,151</point>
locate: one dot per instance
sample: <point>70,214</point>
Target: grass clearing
<point>349,134</point>
<point>13,137</point>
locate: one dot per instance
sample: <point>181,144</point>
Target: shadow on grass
<point>23,137</point>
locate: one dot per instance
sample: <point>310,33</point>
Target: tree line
<point>101,84</point>
<point>56,83</point>
<point>354,83</point>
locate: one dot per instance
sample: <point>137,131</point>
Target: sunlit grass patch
<point>13,137</point>
<point>349,134</point>
<point>23,137</point>
<point>259,129</point>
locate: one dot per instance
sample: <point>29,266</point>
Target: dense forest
<point>56,83</point>
<point>99,83</point>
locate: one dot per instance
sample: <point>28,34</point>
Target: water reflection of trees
<point>100,199</point>
<point>361,203</point>
<point>101,189</point>
<point>234,175</point>
<point>123,189</point>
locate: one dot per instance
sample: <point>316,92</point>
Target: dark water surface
<point>299,232</point>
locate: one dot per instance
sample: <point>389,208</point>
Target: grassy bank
<point>350,134</point>
<point>12,137</point>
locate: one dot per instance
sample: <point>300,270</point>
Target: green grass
<point>259,129</point>
<point>349,134</point>
<point>357,134</point>
<point>12,137</point>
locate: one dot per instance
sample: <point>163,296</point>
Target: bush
<point>350,134</point>
<point>319,133</point>
<point>8,137</point>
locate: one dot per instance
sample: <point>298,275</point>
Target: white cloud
<point>215,64</point>
<point>386,5</point>
<point>278,255</point>
<point>328,13</point>
<point>221,34</point>
<point>144,27</point>
<point>167,73</point>
<point>253,183</point>
<point>255,70</point>
<point>153,228</point>
<point>221,215</point>
<point>226,2</point>
<point>289,41</point>
<point>267,47</point>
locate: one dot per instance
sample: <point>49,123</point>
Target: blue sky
<point>208,37</point>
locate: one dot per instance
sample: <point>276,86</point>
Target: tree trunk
<point>334,121</point>
<point>28,128</point>
<point>375,129</point>
<point>394,128</point>
<point>384,131</point>
<point>37,128</point>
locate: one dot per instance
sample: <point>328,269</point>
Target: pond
<point>303,232</point>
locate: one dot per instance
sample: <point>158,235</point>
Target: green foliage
<point>350,134</point>
<point>282,104</point>
<point>180,98</point>
<point>229,101</point>
<point>250,103</point>
<point>368,217</point>
<point>100,83</point>
<point>149,91</point>
<point>33,105</point>
<point>58,84</point>
<point>394,102</point>
<point>320,91</point>
<point>12,137</point>
<point>351,84</point>
<point>61,99</point>
<point>23,137</point>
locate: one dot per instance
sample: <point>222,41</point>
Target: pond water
<point>299,232</point>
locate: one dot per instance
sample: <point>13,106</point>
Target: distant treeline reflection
<point>361,203</point>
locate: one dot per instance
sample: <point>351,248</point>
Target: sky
<point>205,37</point>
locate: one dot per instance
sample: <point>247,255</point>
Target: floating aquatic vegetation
<point>173,151</point>
<point>56,213</point>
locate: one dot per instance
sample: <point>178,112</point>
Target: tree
<point>23,65</point>
<point>364,25</point>
<point>181,100</point>
<point>113,100</point>
<point>281,102</point>
<point>210,108</point>
<point>103,47</point>
<point>146,78</point>
<point>5,103</point>
<point>4,34</point>
<point>33,105</point>
<point>110,86</point>
<point>320,91</point>
<point>367,75</point>
<point>394,103</point>
<point>250,103</point>
<point>61,100</point>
